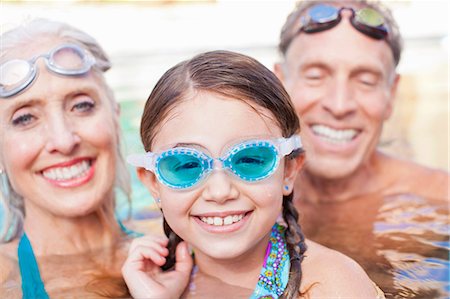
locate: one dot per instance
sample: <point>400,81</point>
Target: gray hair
<point>29,32</point>
<point>292,24</point>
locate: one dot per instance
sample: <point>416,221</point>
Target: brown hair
<point>234,76</point>
<point>293,22</point>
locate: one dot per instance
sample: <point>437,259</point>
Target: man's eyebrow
<point>313,64</point>
<point>367,69</point>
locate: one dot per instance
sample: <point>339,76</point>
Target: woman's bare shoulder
<point>330,274</point>
<point>146,226</point>
<point>8,259</point>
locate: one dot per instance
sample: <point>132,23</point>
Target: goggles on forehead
<point>182,168</point>
<point>67,59</point>
<point>322,17</point>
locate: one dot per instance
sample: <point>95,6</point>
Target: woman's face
<point>222,216</point>
<point>59,139</point>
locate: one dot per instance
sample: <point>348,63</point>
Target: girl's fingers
<point>184,262</point>
<point>154,241</point>
<point>142,256</point>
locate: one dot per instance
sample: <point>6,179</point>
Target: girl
<point>223,153</point>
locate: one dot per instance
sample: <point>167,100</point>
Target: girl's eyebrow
<point>195,145</point>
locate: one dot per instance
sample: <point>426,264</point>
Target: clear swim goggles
<point>67,59</point>
<point>322,17</point>
<point>181,168</point>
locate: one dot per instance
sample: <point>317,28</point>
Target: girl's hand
<point>142,272</point>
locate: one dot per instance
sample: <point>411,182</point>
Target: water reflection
<point>402,241</point>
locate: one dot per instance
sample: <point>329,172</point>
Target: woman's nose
<point>61,135</point>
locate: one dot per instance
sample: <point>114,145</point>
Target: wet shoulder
<point>8,260</point>
<point>146,226</point>
<point>328,273</point>
<point>420,180</point>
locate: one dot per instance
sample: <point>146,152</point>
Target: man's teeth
<point>332,135</point>
<point>67,173</point>
<point>220,221</point>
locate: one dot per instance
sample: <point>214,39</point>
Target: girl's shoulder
<point>329,273</point>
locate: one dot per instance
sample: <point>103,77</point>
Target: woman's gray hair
<point>13,40</point>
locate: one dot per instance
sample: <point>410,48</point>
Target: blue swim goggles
<point>181,168</point>
<point>67,59</point>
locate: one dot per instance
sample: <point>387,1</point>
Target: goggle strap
<point>142,160</point>
<point>288,145</point>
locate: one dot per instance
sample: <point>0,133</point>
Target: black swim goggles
<point>67,60</point>
<point>322,17</point>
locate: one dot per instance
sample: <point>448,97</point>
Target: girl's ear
<point>291,169</point>
<point>150,181</point>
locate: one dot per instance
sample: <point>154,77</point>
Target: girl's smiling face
<point>222,217</point>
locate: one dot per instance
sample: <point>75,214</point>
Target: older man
<point>339,66</point>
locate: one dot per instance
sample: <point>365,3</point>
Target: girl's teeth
<point>220,221</point>
<point>228,220</point>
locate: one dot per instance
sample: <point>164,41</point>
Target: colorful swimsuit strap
<point>32,285</point>
<point>274,274</point>
<point>128,231</point>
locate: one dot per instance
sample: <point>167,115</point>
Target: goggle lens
<point>254,163</point>
<point>14,72</point>
<point>180,170</point>
<point>69,59</point>
<point>323,13</point>
<point>369,17</point>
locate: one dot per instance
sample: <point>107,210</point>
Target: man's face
<point>342,84</point>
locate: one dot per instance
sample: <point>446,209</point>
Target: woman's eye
<point>83,106</point>
<point>23,120</point>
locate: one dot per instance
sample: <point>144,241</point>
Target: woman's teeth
<point>67,173</point>
<point>220,221</point>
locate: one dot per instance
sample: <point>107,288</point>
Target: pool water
<point>143,205</point>
<point>401,241</point>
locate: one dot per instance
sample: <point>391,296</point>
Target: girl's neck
<point>50,234</point>
<point>242,271</point>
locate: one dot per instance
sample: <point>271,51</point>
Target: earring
<point>158,200</point>
<point>286,187</point>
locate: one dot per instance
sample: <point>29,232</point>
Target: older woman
<point>60,164</point>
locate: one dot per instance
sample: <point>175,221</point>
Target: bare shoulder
<point>146,226</point>
<point>330,274</point>
<point>420,180</point>
<point>8,260</point>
